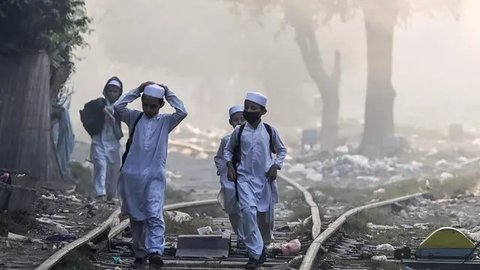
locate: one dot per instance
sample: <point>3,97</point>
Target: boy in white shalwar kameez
<point>105,148</point>
<point>250,163</point>
<point>142,178</point>
<point>227,195</point>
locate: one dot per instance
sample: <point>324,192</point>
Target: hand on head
<point>164,87</point>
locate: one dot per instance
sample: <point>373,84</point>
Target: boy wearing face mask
<point>228,194</point>
<point>250,163</point>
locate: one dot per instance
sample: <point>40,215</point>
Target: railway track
<point>115,252</point>
<point>119,242</point>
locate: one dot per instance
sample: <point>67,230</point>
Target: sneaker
<point>138,262</point>
<point>252,264</point>
<point>263,256</point>
<point>112,200</point>
<point>100,198</point>
<point>155,260</point>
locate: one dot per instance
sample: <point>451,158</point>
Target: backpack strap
<point>270,132</point>
<point>130,139</point>
<point>237,150</point>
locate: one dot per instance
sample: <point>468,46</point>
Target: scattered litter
<point>342,149</point>
<point>308,222</point>
<point>381,258</point>
<point>379,191</point>
<point>21,238</point>
<point>318,194</point>
<point>58,227</point>
<point>297,168</point>
<point>116,260</point>
<point>385,247</point>
<point>61,238</point>
<point>293,225</point>
<point>205,230</point>
<point>444,176</point>
<point>5,177</point>
<point>423,226</point>
<point>54,216</point>
<point>7,243</point>
<point>178,216</point>
<point>69,197</point>
<point>368,178</point>
<point>174,175</point>
<point>403,213</point>
<point>380,227</point>
<point>406,226</point>
<point>50,197</point>
<point>442,163</point>
<point>202,155</point>
<point>291,248</point>
<point>314,176</point>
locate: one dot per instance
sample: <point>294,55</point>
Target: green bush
<point>50,25</point>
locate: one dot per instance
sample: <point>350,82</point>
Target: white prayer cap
<point>154,90</point>
<point>115,83</point>
<point>257,97</point>
<point>235,109</point>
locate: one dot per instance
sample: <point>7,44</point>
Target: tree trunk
<point>327,85</point>
<point>379,105</point>
<point>25,115</point>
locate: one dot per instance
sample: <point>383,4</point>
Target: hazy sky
<point>210,57</point>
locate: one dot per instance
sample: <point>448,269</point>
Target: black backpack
<point>93,117</point>
<point>236,151</point>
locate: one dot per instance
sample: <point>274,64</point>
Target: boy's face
<point>112,93</point>
<point>250,106</point>
<point>237,119</point>
<point>151,105</point>
<point>253,112</point>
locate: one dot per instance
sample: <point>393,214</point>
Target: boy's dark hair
<point>160,100</point>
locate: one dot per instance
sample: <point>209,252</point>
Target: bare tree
<point>381,18</point>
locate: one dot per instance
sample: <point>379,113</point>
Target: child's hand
<point>164,87</point>
<point>272,173</point>
<point>232,175</point>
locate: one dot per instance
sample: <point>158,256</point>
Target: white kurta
<point>227,187</point>
<point>256,159</point>
<point>142,179</point>
<point>105,155</point>
<point>255,192</point>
